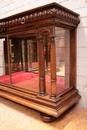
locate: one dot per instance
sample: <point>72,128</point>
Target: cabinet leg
<point>47,118</point>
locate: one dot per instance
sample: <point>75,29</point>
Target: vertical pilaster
<point>73,58</point>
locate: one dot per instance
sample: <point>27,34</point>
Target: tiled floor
<point>17,117</point>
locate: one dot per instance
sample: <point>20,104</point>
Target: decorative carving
<point>23,20</point>
<point>44,32</point>
<point>2,26</point>
<point>16,21</point>
<point>52,38</point>
<point>40,39</point>
<point>53,11</point>
<point>12,22</point>
<point>27,18</point>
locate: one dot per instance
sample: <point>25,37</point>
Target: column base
<point>47,118</point>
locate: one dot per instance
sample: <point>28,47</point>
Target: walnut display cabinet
<point>38,59</point>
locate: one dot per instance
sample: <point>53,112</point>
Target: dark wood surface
<point>73,58</point>
<point>53,67</point>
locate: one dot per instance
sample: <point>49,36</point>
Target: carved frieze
<point>53,11</point>
<point>2,26</point>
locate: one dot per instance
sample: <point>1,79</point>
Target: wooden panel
<point>73,58</point>
<point>49,107</point>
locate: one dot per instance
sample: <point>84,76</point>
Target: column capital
<point>40,38</point>
<point>51,38</point>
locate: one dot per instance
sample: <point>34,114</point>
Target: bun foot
<point>47,118</point>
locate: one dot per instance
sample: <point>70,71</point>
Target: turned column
<point>41,62</point>
<point>53,66</point>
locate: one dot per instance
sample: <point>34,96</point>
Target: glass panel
<point>32,56</point>
<point>62,58</point>
<point>24,62</point>
<point>4,67</point>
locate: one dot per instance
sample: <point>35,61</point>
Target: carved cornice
<point>40,14</point>
<point>2,26</point>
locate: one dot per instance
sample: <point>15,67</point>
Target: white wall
<point>9,7</point>
<point>80,6</point>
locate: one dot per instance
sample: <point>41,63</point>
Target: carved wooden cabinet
<point>38,64</point>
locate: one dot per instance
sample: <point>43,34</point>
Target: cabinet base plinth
<point>50,109</point>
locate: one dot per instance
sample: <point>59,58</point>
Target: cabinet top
<point>49,11</point>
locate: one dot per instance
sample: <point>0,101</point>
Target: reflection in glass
<point>4,65</point>
<point>24,63</point>
<point>62,59</point>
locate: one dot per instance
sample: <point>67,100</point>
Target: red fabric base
<point>30,81</point>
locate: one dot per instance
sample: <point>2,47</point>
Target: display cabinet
<point>38,59</point>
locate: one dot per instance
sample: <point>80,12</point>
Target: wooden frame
<point>42,22</point>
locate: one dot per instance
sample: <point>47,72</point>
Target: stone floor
<point>17,117</point>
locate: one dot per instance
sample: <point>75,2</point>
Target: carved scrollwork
<point>44,32</point>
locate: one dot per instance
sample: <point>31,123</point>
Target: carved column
<point>41,62</point>
<point>53,66</point>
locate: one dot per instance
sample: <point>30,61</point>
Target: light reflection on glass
<point>62,59</point>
